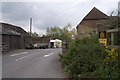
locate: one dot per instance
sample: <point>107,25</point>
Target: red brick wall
<point>89,24</point>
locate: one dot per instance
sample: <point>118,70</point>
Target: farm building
<point>14,37</point>
<point>97,21</point>
<point>112,29</point>
<point>90,22</point>
<point>41,40</point>
<point>113,37</point>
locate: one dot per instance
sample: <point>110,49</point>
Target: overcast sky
<point>50,14</point>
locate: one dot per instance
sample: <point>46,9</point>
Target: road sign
<point>58,42</point>
<point>102,37</point>
<point>103,41</point>
<point>102,34</point>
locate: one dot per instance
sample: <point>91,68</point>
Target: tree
<point>35,34</point>
<point>54,32</point>
<point>66,33</point>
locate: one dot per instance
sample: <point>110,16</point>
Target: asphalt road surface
<point>36,63</point>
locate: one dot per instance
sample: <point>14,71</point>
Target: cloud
<point>49,14</point>
<point>59,0</point>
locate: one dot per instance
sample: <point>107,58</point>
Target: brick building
<point>90,22</point>
<point>94,20</point>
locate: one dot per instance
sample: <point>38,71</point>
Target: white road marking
<point>21,58</point>
<point>48,55</point>
<point>25,57</point>
<point>19,53</point>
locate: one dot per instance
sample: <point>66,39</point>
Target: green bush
<point>86,58</point>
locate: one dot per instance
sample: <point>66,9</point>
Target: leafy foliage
<point>34,34</point>
<point>87,58</point>
<point>66,33</point>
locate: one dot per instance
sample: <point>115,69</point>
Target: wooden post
<point>112,38</point>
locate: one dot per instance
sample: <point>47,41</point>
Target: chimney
<point>31,26</point>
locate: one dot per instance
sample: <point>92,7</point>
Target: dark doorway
<point>51,44</point>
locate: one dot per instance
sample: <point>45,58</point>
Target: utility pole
<point>31,26</point>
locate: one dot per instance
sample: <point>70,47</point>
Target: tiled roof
<point>9,29</point>
<point>95,14</point>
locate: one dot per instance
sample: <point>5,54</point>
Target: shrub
<point>87,58</point>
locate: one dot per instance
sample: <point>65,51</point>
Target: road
<point>36,63</point>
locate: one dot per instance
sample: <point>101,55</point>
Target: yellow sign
<point>102,34</point>
<point>58,42</point>
<point>103,41</point>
